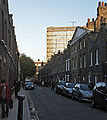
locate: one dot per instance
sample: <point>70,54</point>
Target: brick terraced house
<point>9,54</point>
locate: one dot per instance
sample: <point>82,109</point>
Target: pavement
<point>14,111</point>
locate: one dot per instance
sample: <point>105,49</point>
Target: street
<point>52,106</point>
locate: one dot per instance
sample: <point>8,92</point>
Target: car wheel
<point>72,96</point>
<point>80,98</point>
<point>93,104</point>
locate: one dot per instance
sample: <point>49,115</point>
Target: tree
<point>27,67</point>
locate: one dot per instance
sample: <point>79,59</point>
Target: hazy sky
<point>32,17</point>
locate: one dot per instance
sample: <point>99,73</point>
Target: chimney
<point>88,20</point>
<point>92,19</point>
<point>99,4</point>
<point>102,3</point>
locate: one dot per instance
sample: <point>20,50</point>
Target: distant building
<point>38,65</point>
<point>57,39</point>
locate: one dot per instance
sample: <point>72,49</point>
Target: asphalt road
<point>52,106</point>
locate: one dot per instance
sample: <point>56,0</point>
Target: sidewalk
<point>14,111</point>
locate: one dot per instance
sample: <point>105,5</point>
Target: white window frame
<point>84,60</point>
<point>75,63</point>
<point>68,64</point>
<point>84,42</point>
<point>68,78</point>
<point>91,58</point>
<point>80,61</point>
<point>96,57</point>
<point>80,45</point>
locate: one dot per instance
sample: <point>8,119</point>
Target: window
<point>89,78</point>
<point>80,61</point>
<point>96,57</point>
<point>91,59</point>
<point>80,45</point>
<point>68,78</point>
<point>75,63</point>
<point>84,60</point>
<point>95,79</point>
<point>68,64</point>
<point>84,42</point>
<point>83,78</point>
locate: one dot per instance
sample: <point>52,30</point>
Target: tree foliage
<point>27,66</point>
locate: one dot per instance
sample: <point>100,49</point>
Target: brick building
<point>88,49</point>
<point>9,54</point>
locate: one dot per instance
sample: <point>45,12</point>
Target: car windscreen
<point>29,83</point>
<point>70,85</point>
<point>62,83</point>
<point>84,87</point>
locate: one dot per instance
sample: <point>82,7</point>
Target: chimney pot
<point>105,4</point>
<point>102,3</point>
<point>92,19</point>
<point>99,4</point>
<point>88,20</point>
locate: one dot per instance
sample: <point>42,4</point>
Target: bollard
<point>20,107</point>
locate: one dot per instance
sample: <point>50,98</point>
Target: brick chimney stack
<point>90,24</point>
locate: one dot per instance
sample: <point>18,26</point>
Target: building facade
<point>85,58</point>
<point>57,39</point>
<point>9,54</point>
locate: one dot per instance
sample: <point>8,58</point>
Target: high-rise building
<point>57,39</point>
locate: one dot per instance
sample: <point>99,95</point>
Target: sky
<point>32,17</point>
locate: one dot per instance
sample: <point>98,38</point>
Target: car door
<point>96,93</point>
<point>99,95</point>
<point>102,94</point>
<point>77,91</point>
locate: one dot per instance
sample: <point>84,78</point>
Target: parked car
<point>67,89</point>
<point>29,86</point>
<point>59,86</point>
<point>100,95</point>
<point>82,92</point>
